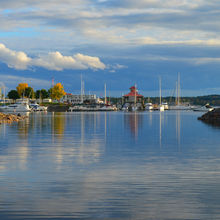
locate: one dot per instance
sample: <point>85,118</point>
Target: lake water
<point>114,165</point>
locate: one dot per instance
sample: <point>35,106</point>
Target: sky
<point>117,42</point>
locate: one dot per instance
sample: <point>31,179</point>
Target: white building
<point>76,99</point>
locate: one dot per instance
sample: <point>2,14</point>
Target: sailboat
<point>179,105</point>
<point>161,107</point>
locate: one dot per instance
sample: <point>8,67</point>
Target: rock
<point>9,118</point>
<point>212,117</point>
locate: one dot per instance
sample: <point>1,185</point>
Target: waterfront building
<point>77,99</point>
<point>133,99</point>
<point>133,96</point>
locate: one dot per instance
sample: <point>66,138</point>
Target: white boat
<point>165,105</point>
<point>108,108</point>
<point>181,107</point>
<point>161,108</point>
<point>36,107</point>
<point>148,106</point>
<point>17,107</point>
<point>134,108</point>
<point>205,108</point>
<point>124,108</point>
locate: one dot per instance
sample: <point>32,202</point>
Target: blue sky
<point>111,41</point>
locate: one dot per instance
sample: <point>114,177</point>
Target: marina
<point>92,165</point>
<point>109,110</point>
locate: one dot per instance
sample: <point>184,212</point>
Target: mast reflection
<point>134,121</point>
<point>178,127</point>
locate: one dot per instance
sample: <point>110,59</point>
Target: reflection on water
<point>178,128</point>
<point>102,165</point>
<point>134,122</point>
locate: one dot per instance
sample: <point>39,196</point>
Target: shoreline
<point>10,118</point>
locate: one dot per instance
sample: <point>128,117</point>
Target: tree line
<point>23,90</point>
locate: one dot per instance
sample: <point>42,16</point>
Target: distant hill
<point>213,100</point>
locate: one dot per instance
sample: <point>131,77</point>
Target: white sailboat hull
<point>15,108</point>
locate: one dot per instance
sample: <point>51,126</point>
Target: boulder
<point>9,118</point>
<point>211,117</point>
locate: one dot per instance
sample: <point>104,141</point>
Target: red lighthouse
<point>133,96</point>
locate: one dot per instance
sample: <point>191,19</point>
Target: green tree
<point>43,94</point>
<point>50,92</point>
<point>29,92</point>
<point>13,94</point>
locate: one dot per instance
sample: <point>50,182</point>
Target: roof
<point>133,92</point>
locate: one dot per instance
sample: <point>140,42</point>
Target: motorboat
<point>165,105</point>
<point>36,107</point>
<point>149,106</point>
<point>161,108</point>
<point>17,107</point>
<point>205,108</point>
<point>108,108</point>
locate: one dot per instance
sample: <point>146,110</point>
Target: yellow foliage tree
<point>57,91</point>
<point>21,88</point>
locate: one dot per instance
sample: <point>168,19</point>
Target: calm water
<point>110,166</point>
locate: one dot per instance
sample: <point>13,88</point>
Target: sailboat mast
<point>178,88</point>
<point>176,93</point>
<point>160,88</point>
<point>82,89</point>
<point>105,95</point>
<point>135,95</point>
<point>4,94</point>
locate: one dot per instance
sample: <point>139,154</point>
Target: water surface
<point>114,165</point>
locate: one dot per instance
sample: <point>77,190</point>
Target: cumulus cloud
<point>56,61</point>
<point>17,60</point>
<point>51,61</point>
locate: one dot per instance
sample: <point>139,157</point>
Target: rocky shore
<point>9,118</point>
<point>212,117</point>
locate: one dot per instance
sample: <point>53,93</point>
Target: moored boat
<point>148,106</point>
<point>205,108</point>
<point>17,107</point>
<point>36,107</point>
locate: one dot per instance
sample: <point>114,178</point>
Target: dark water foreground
<point>110,166</point>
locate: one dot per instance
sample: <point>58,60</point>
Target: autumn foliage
<point>57,91</point>
<point>21,88</point>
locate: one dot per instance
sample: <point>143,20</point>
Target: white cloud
<point>51,61</point>
<point>152,41</point>
<point>89,62</point>
<point>113,68</point>
<point>17,60</point>
<point>110,22</point>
